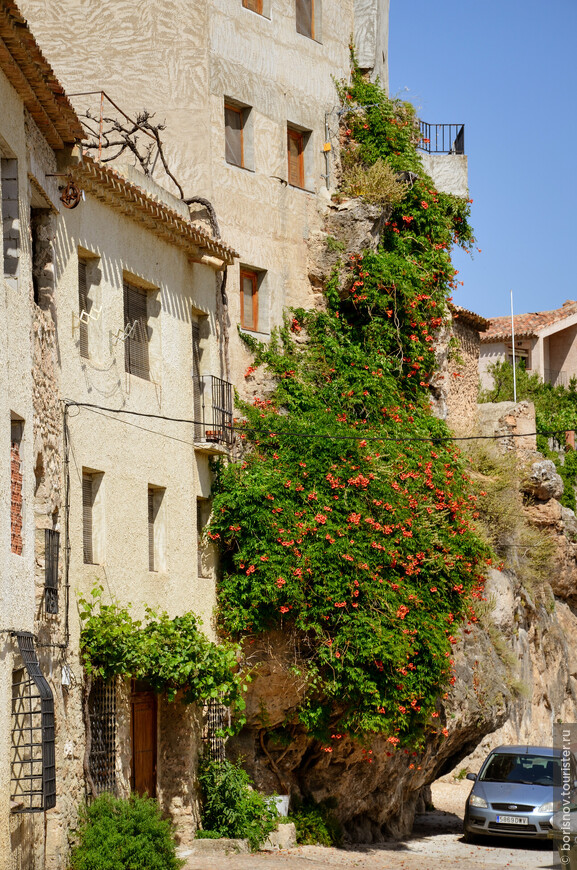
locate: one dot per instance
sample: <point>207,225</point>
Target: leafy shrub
<point>315,823</point>
<point>230,806</point>
<point>116,834</point>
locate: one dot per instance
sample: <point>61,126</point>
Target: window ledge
<point>235,165</point>
<point>260,336</point>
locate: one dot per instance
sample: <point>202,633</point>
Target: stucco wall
<point>449,172</point>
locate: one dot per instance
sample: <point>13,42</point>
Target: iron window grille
<point>442,138</point>
<point>33,766</point>
<point>216,409</point>
<point>51,551</point>
<point>102,724</point>
<point>215,718</point>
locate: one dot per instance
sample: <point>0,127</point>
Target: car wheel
<point>470,838</point>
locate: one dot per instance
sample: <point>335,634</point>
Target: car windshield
<point>527,769</point>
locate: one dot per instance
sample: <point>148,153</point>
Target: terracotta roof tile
<point>469,317</point>
<point>32,77</point>
<point>527,325</point>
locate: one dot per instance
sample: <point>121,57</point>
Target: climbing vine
<point>349,522</point>
<point>171,655</point>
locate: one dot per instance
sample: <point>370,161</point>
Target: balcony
<point>213,406</point>
<point>442,138</point>
<point>443,157</point>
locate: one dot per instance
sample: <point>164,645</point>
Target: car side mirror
<point>472,776</point>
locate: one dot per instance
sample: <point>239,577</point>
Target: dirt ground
<point>436,844</point>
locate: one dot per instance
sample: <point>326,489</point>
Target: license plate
<point>513,820</point>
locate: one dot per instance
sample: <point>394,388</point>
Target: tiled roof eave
<point>111,187</point>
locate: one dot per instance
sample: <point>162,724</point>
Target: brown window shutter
<point>87,505</point>
<point>305,14</point>
<point>295,148</point>
<point>83,305</point>
<point>136,346</point>
<point>151,561</point>
<point>248,300</point>
<point>253,5</point>
<point>233,136</point>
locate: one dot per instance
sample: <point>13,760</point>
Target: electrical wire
<point>307,435</point>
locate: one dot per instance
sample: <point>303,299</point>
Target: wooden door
<point>143,734</point>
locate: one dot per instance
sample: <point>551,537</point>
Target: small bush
<point>231,806</point>
<point>116,834</point>
<point>377,184</point>
<point>315,823</point>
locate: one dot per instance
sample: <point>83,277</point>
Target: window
<point>92,517</point>
<point>16,503</point>
<point>249,300</point>
<point>307,12</point>
<point>296,157</point>
<point>102,725</point>
<point>33,779</point>
<point>10,217</point>
<point>136,356</point>
<point>253,5</point>
<point>51,550</point>
<point>203,547</point>
<point>84,306</point>
<point>156,529</point>
<point>238,130</point>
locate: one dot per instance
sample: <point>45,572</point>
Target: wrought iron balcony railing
<point>442,138</point>
<point>214,400</point>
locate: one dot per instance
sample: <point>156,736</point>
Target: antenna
<point>123,334</point>
<point>84,317</point>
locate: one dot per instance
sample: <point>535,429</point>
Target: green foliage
<point>172,655</point>
<point>115,834</point>
<point>377,184</point>
<point>315,823</point>
<point>348,522</point>
<point>555,414</point>
<point>230,806</point>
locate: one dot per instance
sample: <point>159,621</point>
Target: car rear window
<point>529,769</point>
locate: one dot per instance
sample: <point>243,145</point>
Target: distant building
<point>545,342</point>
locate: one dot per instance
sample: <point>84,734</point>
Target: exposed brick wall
<point>15,499</point>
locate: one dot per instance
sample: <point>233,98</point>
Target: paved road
<point>436,844</point>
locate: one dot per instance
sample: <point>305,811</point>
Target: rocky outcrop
<point>543,482</point>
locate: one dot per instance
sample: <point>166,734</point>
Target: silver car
<point>517,791</point>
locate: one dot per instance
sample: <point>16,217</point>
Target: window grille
<point>217,409</point>
<point>216,717</point>
<point>51,551</point>
<point>102,756</point>
<point>136,345</point>
<point>33,776</point>
<point>85,305</point>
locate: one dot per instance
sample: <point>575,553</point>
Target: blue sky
<point>508,70</point>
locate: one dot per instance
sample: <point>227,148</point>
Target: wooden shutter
<point>83,305</point>
<point>253,5</point>
<point>248,300</point>
<point>87,505</point>
<point>136,346</point>
<point>295,148</point>
<point>234,145</point>
<point>151,559</point>
<point>197,382</point>
<point>305,14</point>
<point>143,728</point>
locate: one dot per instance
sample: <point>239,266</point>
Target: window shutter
<point>253,5</point>
<point>233,136</point>
<point>87,505</point>
<point>305,18</point>
<point>151,563</point>
<point>295,158</point>
<point>248,300</point>
<point>136,346</point>
<point>196,381</point>
<point>83,305</point>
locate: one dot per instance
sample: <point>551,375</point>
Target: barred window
<point>33,767</point>
<point>51,551</point>
<point>101,735</point>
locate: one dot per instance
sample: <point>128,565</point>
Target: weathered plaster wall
<point>449,172</point>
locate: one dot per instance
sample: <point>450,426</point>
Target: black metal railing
<point>442,138</point>
<point>216,407</point>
